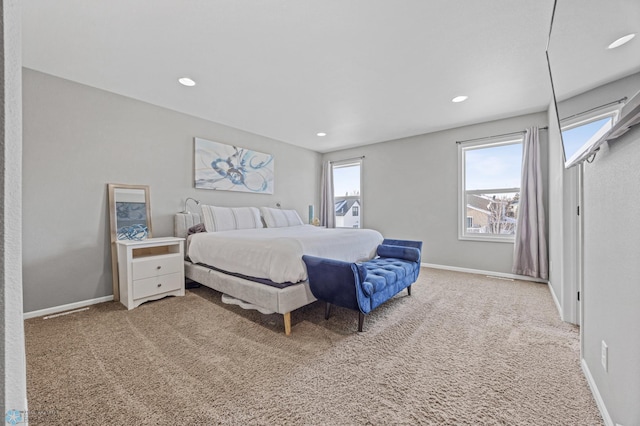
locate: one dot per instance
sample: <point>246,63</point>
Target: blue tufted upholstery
<point>365,286</point>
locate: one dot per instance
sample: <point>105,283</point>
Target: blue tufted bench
<point>365,286</point>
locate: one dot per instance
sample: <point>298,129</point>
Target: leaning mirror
<point>130,219</point>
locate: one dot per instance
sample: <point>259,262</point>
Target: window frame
<point>463,147</point>
<point>346,163</point>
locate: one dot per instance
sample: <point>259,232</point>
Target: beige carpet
<point>462,350</point>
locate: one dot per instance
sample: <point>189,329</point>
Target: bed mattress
<point>276,253</point>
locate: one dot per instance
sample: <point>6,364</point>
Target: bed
<point>262,268</point>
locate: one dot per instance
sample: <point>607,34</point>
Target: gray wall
<point>556,242</point>
<point>611,289</point>
<point>78,138</point>
<point>612,270</point>
<point>563,225</point>
<point>13,389</point>
<point>410,190</point>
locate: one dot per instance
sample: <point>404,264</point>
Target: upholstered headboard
<point>183,221</point>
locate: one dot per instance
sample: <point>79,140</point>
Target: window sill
<point>488,239</point>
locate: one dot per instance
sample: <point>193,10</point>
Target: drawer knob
<point>159,285</point>
<point>158,267</point>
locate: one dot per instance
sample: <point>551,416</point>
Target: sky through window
<point>493,167</point>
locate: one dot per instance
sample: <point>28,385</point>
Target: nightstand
<point>150,269</point>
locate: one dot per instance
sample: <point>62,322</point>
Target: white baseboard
<point>596,394</point>
<point>556,301</point>
<point>481,272</point>
<point>68,307</point>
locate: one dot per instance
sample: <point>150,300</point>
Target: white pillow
<point>230,218</point>
<point>278,218</point>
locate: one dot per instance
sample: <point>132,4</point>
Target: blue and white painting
<point>231,168</point>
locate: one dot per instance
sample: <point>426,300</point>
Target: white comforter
<point>276,253</point>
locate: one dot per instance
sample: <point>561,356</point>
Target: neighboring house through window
<point>489,188</point>
<point>347,195</point>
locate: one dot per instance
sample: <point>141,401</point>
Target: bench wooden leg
<point>327,310</point>
<point>409,290</point>
<point>360,321</point>
<point>287,323</point>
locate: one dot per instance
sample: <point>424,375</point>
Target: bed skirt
<point>280,300</point>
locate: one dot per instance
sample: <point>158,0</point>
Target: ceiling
<point>363,71</point>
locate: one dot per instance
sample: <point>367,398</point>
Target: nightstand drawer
<point>156,265</point>
<point>157,285</point>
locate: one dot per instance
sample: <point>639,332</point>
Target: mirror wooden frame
<point>112,188</point>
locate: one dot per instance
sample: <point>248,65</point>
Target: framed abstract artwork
<point>231,168</point>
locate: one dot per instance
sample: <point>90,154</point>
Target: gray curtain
<point>530,251</point>
<point>327,205</point>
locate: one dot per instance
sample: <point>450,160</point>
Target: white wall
<point>416,179</point>
<point>13,391</point>
<point>78,138</point>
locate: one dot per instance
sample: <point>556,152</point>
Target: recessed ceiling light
<point>622,40</point>
<point>186,81</point>
<point>459,99</point>
<point>321,134</point>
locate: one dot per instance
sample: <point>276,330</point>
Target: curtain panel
<point>530,256</point>
<point>327,204</point>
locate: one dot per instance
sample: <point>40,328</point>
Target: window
<point>347,193</point>
<point>582,131</point>
<point>489,188</point>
